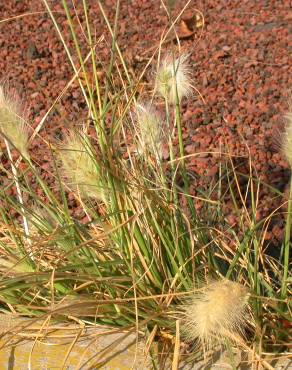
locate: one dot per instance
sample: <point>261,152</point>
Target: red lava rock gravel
<point>241,64</point>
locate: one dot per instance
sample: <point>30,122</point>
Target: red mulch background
<point>241,64</point>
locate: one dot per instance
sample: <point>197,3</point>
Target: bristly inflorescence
<point>149,129</point>
<point>215,312</point>
<point>173,78</point>
<point>13,126</point>
<point>287,139</point>
<point>79,166</point>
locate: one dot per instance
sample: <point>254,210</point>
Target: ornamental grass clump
<point>13,126</point>
<point>140,230</point>
<point>173,78</point>
<point>216,312</point>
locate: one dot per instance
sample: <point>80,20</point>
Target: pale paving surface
<point>118,350</point>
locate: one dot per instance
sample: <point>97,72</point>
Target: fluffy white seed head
<point>79,167</point>
<point>215,312</point>
<point>287,139</point>
<point>149,129</point>
<point>173,78</point>
<point>12,124</point>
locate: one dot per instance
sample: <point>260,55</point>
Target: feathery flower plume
<point>287,139</point>
<point>12,125</point>
<point>149,131</point>
<point>173,78</point>
<point>216,312</point>
<point>79,166</point>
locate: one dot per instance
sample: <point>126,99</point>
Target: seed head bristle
<point>215,312</point>
<point>79,166</point>
<point>12,124</point>
<point>173,78</point>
